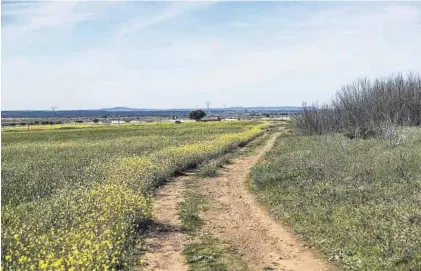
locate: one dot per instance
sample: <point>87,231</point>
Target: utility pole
<point>54,108</point>
<point>207,103</point>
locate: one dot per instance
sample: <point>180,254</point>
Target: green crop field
<point>356,200</point>
<point>71,198</point>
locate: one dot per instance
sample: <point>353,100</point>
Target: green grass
<point>210,168</point>
<point>72,198</point>
<point>191,207</point>
<point>356,200</point>
<point>36,164</point>
<point>210,254</point>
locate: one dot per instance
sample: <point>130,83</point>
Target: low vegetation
<point>210,168</point>
<point>191,207</point>
<point>347,178</point>
<point>356,200</point>
<point>210,254</point>
<point>71,199</point>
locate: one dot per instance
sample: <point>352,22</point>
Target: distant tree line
<point>366,108</point>
<point>37,122</point>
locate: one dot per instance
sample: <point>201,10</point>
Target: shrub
<point>197,114</point>
<point>362,108</point>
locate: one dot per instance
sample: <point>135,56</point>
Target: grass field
<point>71,198</point>
<point>356,200</point>
<point>72,126</point>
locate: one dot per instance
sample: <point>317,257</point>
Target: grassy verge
<point>191,207</point>
<point>356,200</point>
<point>210,168</point>
<point>210,254</point>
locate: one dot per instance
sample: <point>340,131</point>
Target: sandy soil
<point>167,242</point>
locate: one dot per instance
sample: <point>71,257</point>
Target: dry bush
<point>363,109</point>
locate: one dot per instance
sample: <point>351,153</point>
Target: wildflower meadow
<point>71,198</point>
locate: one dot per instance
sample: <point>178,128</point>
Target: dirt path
<point>233,216</point>
<point>236,218</point>
<point>167,243</point>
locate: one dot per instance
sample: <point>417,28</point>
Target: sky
<point>91,55</point>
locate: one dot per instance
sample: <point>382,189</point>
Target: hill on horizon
<point>128,111</point>
<point>122,108</point>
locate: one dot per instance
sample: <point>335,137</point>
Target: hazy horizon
<point>162,109</point>
<point>164,55</point>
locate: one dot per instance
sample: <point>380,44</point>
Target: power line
<point>207,103</point>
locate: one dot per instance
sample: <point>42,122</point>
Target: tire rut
<point>238,219</point>
<point>167,242</point>
<point>233,216</point>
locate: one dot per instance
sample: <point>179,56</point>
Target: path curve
<point>234,216</point>
<point>238,219</point>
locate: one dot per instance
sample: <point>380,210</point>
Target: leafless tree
<point>362,108</point>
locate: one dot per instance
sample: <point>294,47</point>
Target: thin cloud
<point>42,15</point>
<point>180,54</point>
<point>171,12</point>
